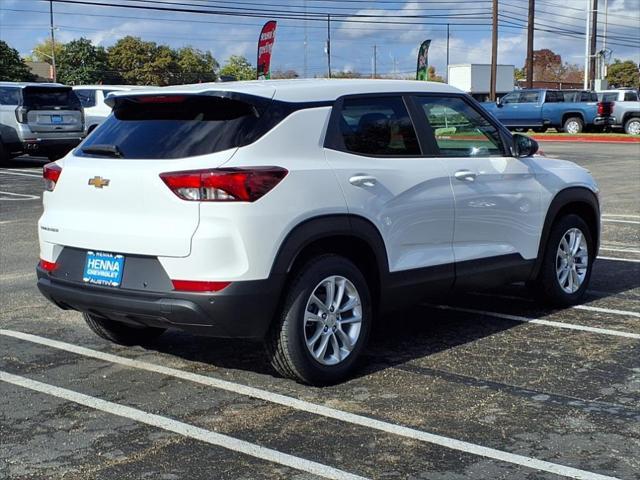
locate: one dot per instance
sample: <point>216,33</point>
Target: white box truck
<point>475,79</point>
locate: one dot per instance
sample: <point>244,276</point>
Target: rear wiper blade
<point>103,149</point>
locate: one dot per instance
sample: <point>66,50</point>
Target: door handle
<point>466,175</point>
<point>363,181</point>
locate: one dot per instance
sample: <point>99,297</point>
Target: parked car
<point>542,109</point>
<point>92,98</point>
<point>39,119</point>
<point>295,212</point>
<point>626,109</point>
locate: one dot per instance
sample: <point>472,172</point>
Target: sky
<point>396,33</point>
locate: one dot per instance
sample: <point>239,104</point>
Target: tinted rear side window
<point>609,97</point>
<point>87,97</point>
<point>9,96</point>
<point>378,126</point>
<point>630,97</point>
<point>179,126</point>
<point>41,98</point>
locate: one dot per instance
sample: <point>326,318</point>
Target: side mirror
<point>523,146</point>
<point>498,103</point>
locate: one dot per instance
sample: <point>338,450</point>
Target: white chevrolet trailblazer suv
<point>296,212</point>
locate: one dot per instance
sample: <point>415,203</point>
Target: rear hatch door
<point>52,109</point>
<point>110,196</point>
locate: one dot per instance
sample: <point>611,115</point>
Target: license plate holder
<point>103,268</point>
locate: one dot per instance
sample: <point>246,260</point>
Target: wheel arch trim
<point>565,197</point>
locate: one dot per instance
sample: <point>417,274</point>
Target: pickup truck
<point>542,109</point>
<point>626,109</point>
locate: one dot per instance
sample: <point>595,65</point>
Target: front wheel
<point>121,333</point>
<point>324,323</point>
<point>573,125</point>
<point>567,263</point>
<point>632,126</point>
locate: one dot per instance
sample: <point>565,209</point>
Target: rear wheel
<point>324,323</point>
<point>567,263</point>
<point>121,333</point>
<point>632,126</point>
<point>573,125</point>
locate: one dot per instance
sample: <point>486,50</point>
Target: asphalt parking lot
<point>484,385</point>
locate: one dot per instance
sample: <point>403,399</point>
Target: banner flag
<point>265,45</point>
<point>423,61</point>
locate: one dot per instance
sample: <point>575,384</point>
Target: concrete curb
<point>589,139</point>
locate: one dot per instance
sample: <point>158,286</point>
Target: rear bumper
<point>35,145</point>
<point>604,121</point>
<point>242,310</point>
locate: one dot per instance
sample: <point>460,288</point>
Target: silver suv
<point>626,108</point>
<point>39,119</point>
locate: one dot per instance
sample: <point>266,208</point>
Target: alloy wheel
<point>572,260</point>
<point>332,320</point>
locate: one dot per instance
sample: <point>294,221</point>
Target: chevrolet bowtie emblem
<point>99,182</point>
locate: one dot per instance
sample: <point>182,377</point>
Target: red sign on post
<point>265,45</point>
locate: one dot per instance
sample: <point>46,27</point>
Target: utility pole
<point>305,69</point>
<point>448,36</point>
<point>530,25</point>
<point>53,43</point>
<point>592,49</point>
<point>329,43</point>
<point>375,61</point>
<point>585,84</point>
<point>494,53</point>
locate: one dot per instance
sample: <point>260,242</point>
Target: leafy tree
<point>142,63</point>
<point>12,67</point>
<point>239,68</point>
<point>42,52</point>
<point>80,62</point>
<point>345,74</point>
<point>432,76</point>
<point>195,66</point>
<point>547,65</point>
<point>520,73</point>
<point>280,74</point>
<point>623,74</point>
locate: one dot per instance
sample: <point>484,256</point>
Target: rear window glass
<point>378,126</point>
<point>609,96</point>
<point>40,98</point>
<point>177,126</point>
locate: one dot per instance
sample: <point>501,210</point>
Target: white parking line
<point>619,215</point>
<point>316,409</point>
<point>612,220</point>
<point>549,323</point>
<point>6,172</point>
<point>181,428</point>
<point>618,259</point>
<point>614,311</point>
<point>626,250</point>
<point>18,196</point>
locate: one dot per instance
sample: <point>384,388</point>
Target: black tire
<point>547,284</point>
<point>540,129</point>
<point>632,126</point>
<point>121,333</point>
<point>4,155</point>
<point>520,129</point>
<point>569,125</point>
<point>286,344</point>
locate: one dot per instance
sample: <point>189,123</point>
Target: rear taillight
<point>605,108</point>
<point>21,114</point>
<point>197,286</point>
<point>50,174</point>
<point>224,184</point>
<point>48,266</point>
